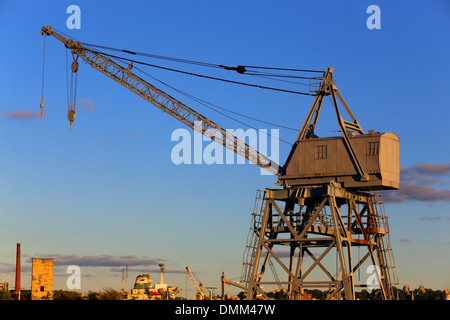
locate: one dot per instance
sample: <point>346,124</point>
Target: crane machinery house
<point>318,160</point>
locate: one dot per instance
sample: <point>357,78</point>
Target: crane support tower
<point>324,201</point>
<point>325,207</point>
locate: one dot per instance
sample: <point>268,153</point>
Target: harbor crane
<point>324,200</point>
<point>199,293</point>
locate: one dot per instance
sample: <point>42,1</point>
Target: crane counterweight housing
<point>321,160</point>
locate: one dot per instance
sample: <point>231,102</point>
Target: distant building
<point>41,278</point>
<point>143,290</point>
<point>4,286</point>
<point>140,290</point>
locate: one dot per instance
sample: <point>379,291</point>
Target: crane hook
<point>42,107</point>
<point>71,116</point>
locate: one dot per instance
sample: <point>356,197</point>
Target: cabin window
<point>372,148</point>
<point>42,289</point>
<point>321,152</point>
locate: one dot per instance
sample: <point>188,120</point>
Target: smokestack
<point>17,288</point>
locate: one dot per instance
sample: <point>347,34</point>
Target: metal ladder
<point>385,243</point>
<point>252,238</point>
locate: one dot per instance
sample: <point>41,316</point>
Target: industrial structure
<point>41,278</point>
<point>199,292</point>
<point>144,290</point>
<point>324,201</point>
<point>17,287</point>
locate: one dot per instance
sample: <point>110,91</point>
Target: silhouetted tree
<point>110,294</point>
<point>91,295</point>
<point>66,295</point>
<point>5,295</point>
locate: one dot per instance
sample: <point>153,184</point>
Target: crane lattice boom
<point>165,102</point>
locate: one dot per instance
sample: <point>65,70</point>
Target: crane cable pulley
<point>239,69</point>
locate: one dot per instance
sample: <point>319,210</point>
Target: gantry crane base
<point>305,225</point>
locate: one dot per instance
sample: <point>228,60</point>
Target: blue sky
<point>106,194</point>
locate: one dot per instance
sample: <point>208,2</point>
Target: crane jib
<point>165,102</point>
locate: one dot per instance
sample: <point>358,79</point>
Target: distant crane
<point>199,293</point>
<point>337,173</point>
